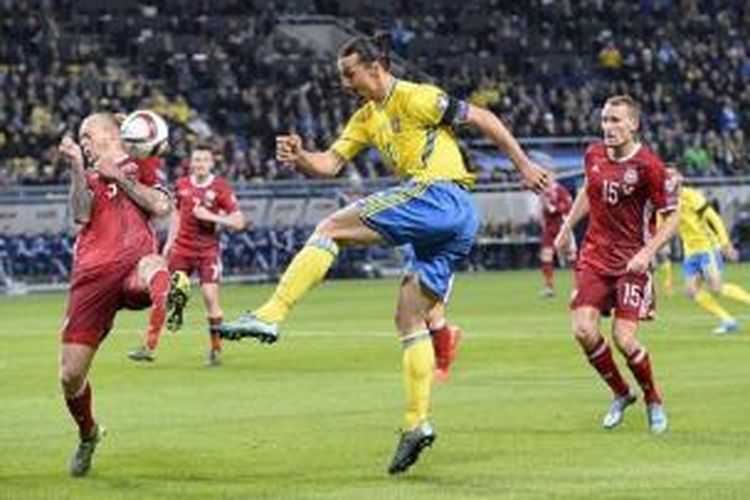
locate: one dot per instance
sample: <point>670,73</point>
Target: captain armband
<point>454,110</point>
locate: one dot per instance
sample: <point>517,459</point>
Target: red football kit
<point>556,202</point>
<point>108,248</point>
<point>196,247</point>
<point>623,196</point>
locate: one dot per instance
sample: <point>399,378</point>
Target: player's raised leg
<point>306,270</point>
<point>418,364</point>
<point>152,280</point>
<point>75,360</point>
<point>639,362</point>
<point>599,355</point>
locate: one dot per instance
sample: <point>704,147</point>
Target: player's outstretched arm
<point>320,164</point>
<point>534,177</point>
<point>80,198</point>
<point>235,221</point>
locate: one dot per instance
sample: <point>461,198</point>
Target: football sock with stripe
<point>640,366</point>
<point>600,357</point>
<point>707,301</point>
<point>418,365</point>
<point>214,335</point>
<point>305,271</point>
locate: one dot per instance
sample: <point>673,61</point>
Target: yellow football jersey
<point>407,130</point>
<point>701,229</point>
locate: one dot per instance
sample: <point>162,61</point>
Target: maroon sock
<point>215,339</point>
<point>157,290</point>
<point>548,271</point>
<point>80,409</point>
<point>640,365</point>
<point>600,357</point>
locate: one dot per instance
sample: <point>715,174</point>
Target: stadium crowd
<point>214,69</point>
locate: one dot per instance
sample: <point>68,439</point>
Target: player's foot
<point>80,462</point>
<point>445,344</point>
<point>249,325</point>
<point>179,292</point>
<point>410,445</point>
<point>213,358</point>
<point>657,418</point>
<point>727,326</point>
<point>616,412</point>
<point>547,293</point>
<point>142,353</point>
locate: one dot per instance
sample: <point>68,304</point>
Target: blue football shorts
<point>439,220</point>
<point>702,263</point>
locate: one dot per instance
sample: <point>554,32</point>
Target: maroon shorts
<point>630,295</point>
<point>95,297</point>
<point>208,267</point>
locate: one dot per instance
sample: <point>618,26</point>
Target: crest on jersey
<point>183,192</point>
<point>396,125</point>
<point>210,195</point>
<point>631,176</point>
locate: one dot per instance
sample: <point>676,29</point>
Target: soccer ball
<point>144,133</point>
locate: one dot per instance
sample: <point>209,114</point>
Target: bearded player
<point>116,264</point>
<point>625,183</point>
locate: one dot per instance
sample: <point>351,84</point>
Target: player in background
<point>555,203</point>
<point>624,183</point>
<point>411,125</point>
<point>115,265</point>
<point>205,203</point>
<point>704,240</point>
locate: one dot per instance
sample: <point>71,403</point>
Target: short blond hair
<point>628,102</point>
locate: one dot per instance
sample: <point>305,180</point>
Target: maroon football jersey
<point>623,196</point>
<point>197,237</point>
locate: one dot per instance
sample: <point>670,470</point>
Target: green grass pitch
<point>316,415</point>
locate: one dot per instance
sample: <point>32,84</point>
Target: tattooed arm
<point>80,198</point>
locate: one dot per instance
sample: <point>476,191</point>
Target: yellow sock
<point>418,371</point>
<point>305,271</point>
<point>735,292</point>
<point>709,303</point>
<point>666,268</point>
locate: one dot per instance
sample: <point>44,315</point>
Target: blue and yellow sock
<point>305,271</point>
<point>418,370</point>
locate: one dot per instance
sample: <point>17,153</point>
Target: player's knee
<point>715,285</point>
<point>691,292</point>
<point>626,342</point>
<point>71,380</point>
<point>585,332</point>
<point>326,228</point>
